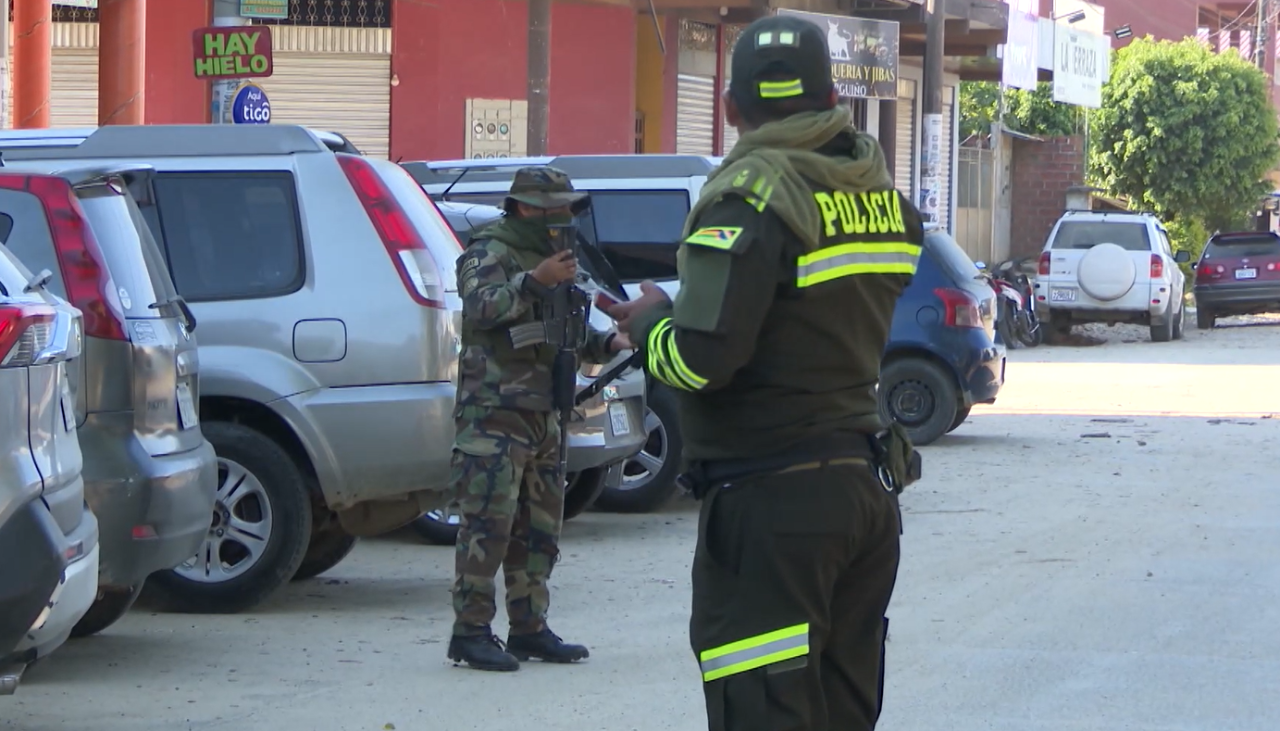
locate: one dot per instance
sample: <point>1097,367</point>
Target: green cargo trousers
<point>505,472</point>
<point>792,576</point>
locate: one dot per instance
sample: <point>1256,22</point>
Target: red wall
<point>174,95</point>
<point>450,50</point>
<point>1165,19</point>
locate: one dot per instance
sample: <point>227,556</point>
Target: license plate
<point>1062,294</point>
<point>68,407</point>
<point>1246,274</point>
<point>619,419</point>
<point>188,415</point>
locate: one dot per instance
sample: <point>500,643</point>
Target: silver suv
<point>323,286</point>
<point>149,473</point>
<point>48,536</point>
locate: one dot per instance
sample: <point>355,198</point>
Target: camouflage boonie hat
<point>546,187</point>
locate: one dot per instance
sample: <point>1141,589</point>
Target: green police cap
<point>546,187</point>
<point>780,57</point>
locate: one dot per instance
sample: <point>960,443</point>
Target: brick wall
<point>1042,172</point>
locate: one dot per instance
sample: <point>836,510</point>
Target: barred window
<point>340,13</point>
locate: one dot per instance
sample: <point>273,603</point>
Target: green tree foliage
<point>1185,132</point>
<point>1031,112</point>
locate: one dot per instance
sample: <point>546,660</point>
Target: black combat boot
<point>482,652</point>
<point>545,646</point>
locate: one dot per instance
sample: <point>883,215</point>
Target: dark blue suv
<point>942,356</point>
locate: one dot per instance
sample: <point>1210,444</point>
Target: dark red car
<point>1238,274</point>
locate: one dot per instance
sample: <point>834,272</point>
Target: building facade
<point>414,80</point>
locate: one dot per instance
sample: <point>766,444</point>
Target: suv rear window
<point>1088,234</point>
<point>125,239</point>
<point>1240,245</point>
<point>230,235</point>
<point>638,231</point>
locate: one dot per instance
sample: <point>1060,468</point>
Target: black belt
<point>703,474</point>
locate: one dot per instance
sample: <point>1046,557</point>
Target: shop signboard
<point>864,54</point>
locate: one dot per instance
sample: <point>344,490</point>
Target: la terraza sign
<point>232,52</point>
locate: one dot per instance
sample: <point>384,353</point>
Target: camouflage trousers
<point>505,475</point>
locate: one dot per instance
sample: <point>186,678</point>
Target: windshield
<point>1088,234</point>
<point>120,230</point>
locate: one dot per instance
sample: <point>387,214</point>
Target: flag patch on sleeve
<point>720,237</point>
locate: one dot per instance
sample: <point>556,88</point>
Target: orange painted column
<point>122,71</point>
<point>32,62</point>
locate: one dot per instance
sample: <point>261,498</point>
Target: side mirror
<point>1182,257</point>
<point>980,264</point>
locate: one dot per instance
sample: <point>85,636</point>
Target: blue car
<point>943,355</point>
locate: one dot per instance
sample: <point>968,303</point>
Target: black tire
<point>1030,334</point>
<point>921,396</point>
<point>106,610</point>
<point>961,415</point>
<point>329,544</point>
<point>1205,319</point>
<point>1004,325</point>
<point>581,491</point>
<point>288,498</point>
<point>649,478</point>
<point>1163,332</point>
<point>1180,324</point>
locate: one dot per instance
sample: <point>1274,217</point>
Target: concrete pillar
<point>122,74</point>
<point>32,62</point>
<point>226,13</point>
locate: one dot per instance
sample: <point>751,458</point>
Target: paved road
<point>1114,564</point>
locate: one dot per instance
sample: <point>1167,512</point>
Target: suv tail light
<point>404,245</point>
<point>80,257</point>
<point>1043,268</point>
<point>25,332</point>
<point>1157,266</point>
<point>961,307</point>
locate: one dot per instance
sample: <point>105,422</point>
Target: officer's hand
<point>557,268</point>
<point>650,296</point>
<point>621,341</point>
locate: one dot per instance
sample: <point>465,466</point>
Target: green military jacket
<point>492,274</point>
<point>775,338</point>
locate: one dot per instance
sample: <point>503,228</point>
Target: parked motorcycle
<point>1016,319</point>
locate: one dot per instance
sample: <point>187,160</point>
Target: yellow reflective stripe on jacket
<point>664,361</point>
<point>846,260</point>
<point>754,652</point>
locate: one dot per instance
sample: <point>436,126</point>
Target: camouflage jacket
<point>491,274</point>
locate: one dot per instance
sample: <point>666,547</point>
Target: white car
<point>1112,267</point>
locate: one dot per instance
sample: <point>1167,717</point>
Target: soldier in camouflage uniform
<point>505,458</point>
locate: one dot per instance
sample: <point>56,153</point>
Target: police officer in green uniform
<point>791,265</point>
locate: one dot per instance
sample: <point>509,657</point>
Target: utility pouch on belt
<point>897,458</point>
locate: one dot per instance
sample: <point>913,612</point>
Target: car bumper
<point>1251,295</point>
<point>152,512</point>
<point>27,585</point>
<point>375,442</point>
<point>78,590</point>
<point>986,375</point>
<point>601,438</point>
<point>977,360</point>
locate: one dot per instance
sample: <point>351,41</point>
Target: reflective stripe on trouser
<point>846,260</point>
<point>754,652</point>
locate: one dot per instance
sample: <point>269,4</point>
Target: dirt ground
<point>1098,550</point>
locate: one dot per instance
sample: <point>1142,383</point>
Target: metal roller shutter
<point>73,91</point>
<point>945,179</point>
<point>905,153</point>
<point>335,79</point>
<point>339,92</point>
<point>695,114</point>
